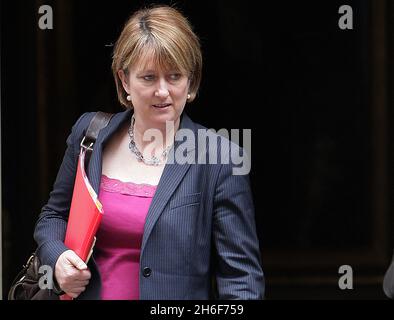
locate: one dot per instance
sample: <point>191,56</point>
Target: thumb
<point>76,261</point>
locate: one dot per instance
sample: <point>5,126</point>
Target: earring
<point>188,96</point>
<point>128,98</point>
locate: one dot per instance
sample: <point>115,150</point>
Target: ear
<point>125,81</point>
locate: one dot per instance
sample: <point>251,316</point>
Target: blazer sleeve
<point>50,228</point>
<point>238,268</point>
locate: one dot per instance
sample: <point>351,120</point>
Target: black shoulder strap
<point>98,122</point>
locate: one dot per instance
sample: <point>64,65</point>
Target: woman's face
<point>157,95</point>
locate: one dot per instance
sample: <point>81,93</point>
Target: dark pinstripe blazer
<point>200,225</point>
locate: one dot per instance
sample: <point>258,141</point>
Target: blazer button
<point>147,272</point>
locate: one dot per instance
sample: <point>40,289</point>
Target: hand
<point>72,274</point>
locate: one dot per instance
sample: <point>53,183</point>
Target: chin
<point>166,116</point>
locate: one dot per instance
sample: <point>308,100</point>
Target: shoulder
<point>211,137</point>
<point>80,126</point>
<point>82,123</point>
<point>221,147</point>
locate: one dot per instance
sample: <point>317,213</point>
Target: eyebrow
<point>154,71</point>
<point>146,71</point>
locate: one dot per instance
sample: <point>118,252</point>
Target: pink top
<point>119,237</point>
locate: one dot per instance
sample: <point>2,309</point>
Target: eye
<point>149,77</point>
<point>175,76</point>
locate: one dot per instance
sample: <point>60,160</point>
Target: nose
<point>162,89</point>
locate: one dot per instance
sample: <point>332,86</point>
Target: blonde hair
<point>165,32</point>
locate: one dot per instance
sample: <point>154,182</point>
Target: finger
<point>72,294</point>
<point>83,283</point>
<point>79,283</point>
<point>78,290</point>
<point>75,292</point>
<point>71,284</point>
<point>76,261</point>
<point>83,275</point>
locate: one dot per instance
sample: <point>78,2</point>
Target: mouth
<point>161,105</point>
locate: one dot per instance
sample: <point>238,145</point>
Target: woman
<point>171,229</point>
<point>388,281</point>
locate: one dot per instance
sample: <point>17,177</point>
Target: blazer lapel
<point>171,177</point>
<point>95,164</point>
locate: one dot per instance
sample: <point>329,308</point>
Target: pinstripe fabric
<point>200,224</point>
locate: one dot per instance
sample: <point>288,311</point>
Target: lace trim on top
<point>128,188</point>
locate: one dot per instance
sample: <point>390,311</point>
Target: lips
<point>161,105</point>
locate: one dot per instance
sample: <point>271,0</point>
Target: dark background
<point>316,97</point>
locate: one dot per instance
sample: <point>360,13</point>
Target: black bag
<point>26,284</point>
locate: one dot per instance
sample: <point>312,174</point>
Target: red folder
<point>85,216</point>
